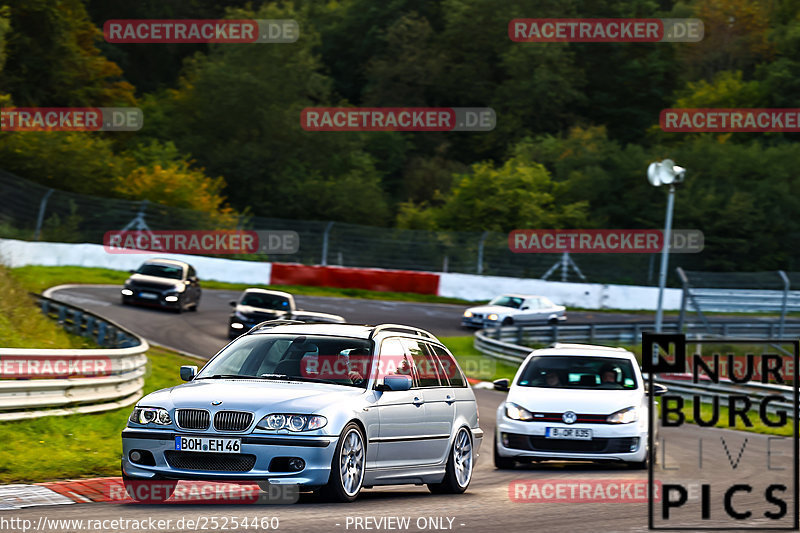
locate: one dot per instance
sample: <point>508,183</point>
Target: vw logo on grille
<point>569,417</point>
<point>216,402</point>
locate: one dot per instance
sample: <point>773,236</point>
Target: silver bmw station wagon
<point>335,407</point>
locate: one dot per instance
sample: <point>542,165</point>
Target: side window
<point>394,361</point>
<point>424,363</point>
<point>449,367</point>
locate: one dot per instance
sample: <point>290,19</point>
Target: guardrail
<point>706,392</point>
<point>508,343</point>
<point>116,379</point>
<point>680,385</point>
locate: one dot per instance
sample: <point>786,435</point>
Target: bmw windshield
<point>507,301</point>
<point>319,358</point>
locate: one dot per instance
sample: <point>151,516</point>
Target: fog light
<point>296,464</point>
<point>635,444</point>
<point>126,292</point>
<point>136,456</point>
<point>236,325</point>
<point>504,437</point>
<point>171,299</point>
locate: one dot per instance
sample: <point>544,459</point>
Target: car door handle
<point>449,399</point>
<point>418,401</point>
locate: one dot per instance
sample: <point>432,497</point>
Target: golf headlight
<point>517,412</point>
<point>493,316</point>
<point>467,314</point>
<point>292,422</point>
<point>150,415</point>
<point>624,416</point>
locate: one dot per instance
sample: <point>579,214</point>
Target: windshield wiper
<point>303,378</point>
<point>228,376</point>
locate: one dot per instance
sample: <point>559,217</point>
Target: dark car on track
<point>258,305</point>
<point>164,283</point>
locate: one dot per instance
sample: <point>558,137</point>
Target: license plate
<point>569,433</point>
<point>207,444</point>
<point>148,295</point>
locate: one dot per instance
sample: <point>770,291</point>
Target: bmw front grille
<point>232,420</point>
<point>193,418</point>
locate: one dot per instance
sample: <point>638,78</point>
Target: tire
<point>351,455</point>
<point>500,462</point>
<point>507,321</point>
<point>460,465</point>
<point>553,322</point>
<point>149,490</point>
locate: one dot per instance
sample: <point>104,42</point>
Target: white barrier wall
<point>585,295</point>
<point>23,253</point>
<point>466,286</point>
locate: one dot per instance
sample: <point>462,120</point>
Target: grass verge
<point>475,364</point>
<point>22,324</point>
<point>76,446</point>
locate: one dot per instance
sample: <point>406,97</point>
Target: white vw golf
<point>574,402</point>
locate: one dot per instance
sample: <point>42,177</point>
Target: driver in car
<point>608,374</point>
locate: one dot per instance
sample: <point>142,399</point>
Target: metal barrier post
<point>786,285</point>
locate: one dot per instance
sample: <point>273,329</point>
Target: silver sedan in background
<point>514,309</point>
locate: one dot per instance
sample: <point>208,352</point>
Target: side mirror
<point>132,271</point>
<point>188,372</point>
<point>501,384</point>
<point>525,308</point>
<point>658,389</point>
<point>232,303</point>
<point>397,383</point>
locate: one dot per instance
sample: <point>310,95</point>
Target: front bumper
<point>159,301</point>
<point>610,442</point>
<point>316,451</point>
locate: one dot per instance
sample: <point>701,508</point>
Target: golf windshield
<point>579,372</point>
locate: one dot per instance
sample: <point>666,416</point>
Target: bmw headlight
<point>467,314</point>
<point>292,422</point>
<point>493,316</point>
<point>624,416</point>
<point>150,415</point>
<point>517,412</point>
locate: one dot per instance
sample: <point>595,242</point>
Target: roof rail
<point>272,323</point>
<point>400,327</point>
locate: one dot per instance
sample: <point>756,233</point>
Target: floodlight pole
<point>662,277</point>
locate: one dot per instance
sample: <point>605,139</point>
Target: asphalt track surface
<point>488,505</point>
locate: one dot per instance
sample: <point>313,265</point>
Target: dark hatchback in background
<point>164,283</point>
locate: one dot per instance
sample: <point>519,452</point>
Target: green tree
<point>52,58</point>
